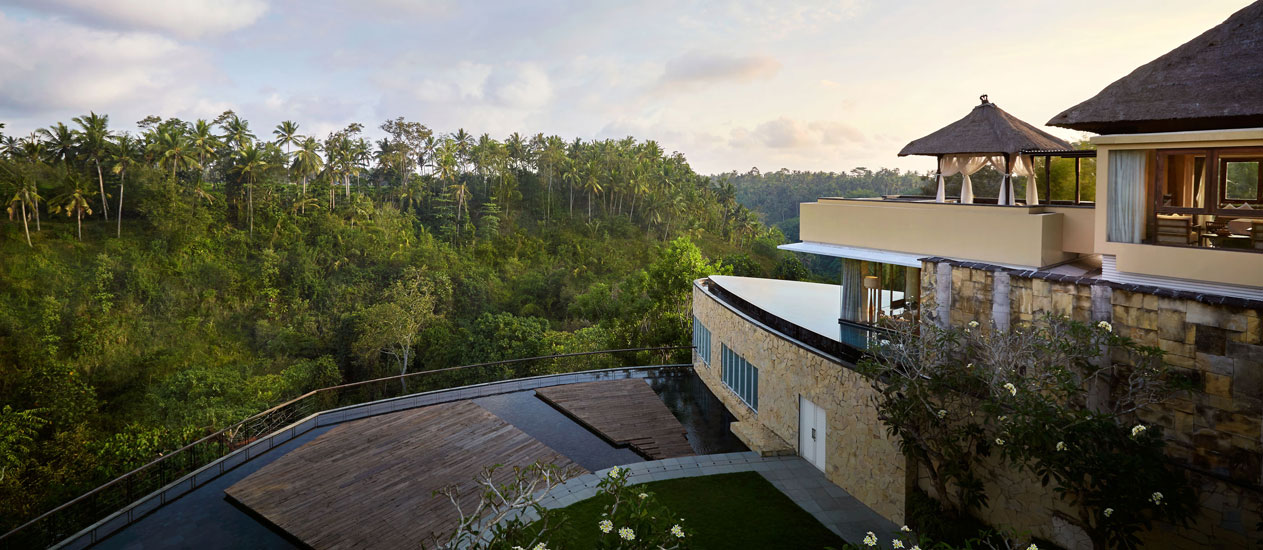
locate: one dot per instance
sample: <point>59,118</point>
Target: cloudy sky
<point>772,84</point>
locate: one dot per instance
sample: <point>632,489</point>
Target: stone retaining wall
<point>861,458</point>
<point>1214,430</point>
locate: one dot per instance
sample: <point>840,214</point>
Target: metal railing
<point>83,511</point>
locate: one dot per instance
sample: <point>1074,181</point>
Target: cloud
<point>698,69</point>
<point>52,64</point>
<point>788,133</point>
<point>183,18</point>
<point>55,70</point>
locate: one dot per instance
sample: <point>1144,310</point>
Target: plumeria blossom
<point>870,539</point>
<point>942,413</point>
<point>540,546</point>
<point>615,472</point>
<point>915,547</point>
<point>906,529</point>
<point>1108,512</point>
<point>1032,547</point>
<point>606,525</point>
<point>896,543</point>
<point>1156,497</point>
<point>1061,445</point>
<point>973,324</point>
<point>1138,429</point>
<point>643,495</point>
<point>969,366</point>
<point>677,531</point>
<point>627,534</point>
<point>999,442</point>
<point>1012,389</point>
<point>1002,418</point>
<point>1106,326</point>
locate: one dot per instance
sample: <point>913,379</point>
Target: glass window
<point>740,376</point>
<point>701,341</point>
<point>1241,181</point>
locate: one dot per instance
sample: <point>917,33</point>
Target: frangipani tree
<point>1057,398</point>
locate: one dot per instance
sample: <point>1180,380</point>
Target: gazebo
<point>987,136</point>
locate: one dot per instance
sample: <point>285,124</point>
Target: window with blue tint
<point>701,341</point>
<point>740,376</point>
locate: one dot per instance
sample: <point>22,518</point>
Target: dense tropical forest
<point>158,285</point>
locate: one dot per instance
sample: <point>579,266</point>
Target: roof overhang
<point>856,253</point>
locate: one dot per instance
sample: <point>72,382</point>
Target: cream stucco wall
<point>1006,235</point>
<point>1077,224</point>
<point>1218,266</point>
<point>861,458</point>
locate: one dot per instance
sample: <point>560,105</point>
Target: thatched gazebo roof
<point>986,130</point>
<point>1214,81</point>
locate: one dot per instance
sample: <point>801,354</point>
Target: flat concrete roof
<point>813,306</point>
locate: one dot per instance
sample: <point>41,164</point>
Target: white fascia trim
<point>856,253</point>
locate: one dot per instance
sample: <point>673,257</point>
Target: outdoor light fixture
<point>872,290</point>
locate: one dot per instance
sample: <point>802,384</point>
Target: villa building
<point>1167,247</point>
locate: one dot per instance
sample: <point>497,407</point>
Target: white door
<point>811,432</point>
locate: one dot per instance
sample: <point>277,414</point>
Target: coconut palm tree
<point>74,202</point>
<point>591,183</point>
<point>250,163</point>
<point>125,155</point>
<point>25,196</point>
<point>287,134</point>
<point>205,143</point>
<point>308,163</point>
<point>171,147</point>
<point>93,139</point>
<point>237,132</point>
<point>59,142</point>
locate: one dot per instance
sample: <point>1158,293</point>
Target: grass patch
<point>725,512</point>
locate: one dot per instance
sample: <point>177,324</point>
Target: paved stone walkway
<point>796,478</point>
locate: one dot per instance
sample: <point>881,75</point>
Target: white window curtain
<point>1125,217</point>
<point>965,165</point>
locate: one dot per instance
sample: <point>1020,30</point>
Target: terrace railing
<point>73,516</point>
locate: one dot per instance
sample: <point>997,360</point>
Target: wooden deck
<point>624,412</point>
<point>369,483</point>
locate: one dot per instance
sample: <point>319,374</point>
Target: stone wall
<point>861,458</point>
<point>1214,430</point>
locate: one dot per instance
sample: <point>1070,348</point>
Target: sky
<point>732,85</point>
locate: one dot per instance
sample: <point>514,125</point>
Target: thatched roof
<point>1214,81</point>
<point>985,130</point>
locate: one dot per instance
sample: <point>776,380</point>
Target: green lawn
<point>725,512</point>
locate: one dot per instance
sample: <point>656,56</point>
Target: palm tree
<point>125,155</point>
<point>591,184</point>
<point>570,174</point>
<point>94,135</point>
<point>250,164</point>
<point>237,132</point>
<point>287,134</point>
<point>59,141</point>
<point>205,143</point>
<point>173,148</point>
<point>446,169</point>
<point>308,163</point>
<point>24,195</point>
<point>74,201</point>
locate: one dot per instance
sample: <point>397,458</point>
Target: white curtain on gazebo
<point>1023,165</point>
<point>965,165</point>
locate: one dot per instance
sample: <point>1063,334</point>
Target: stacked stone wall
<point>1214,430</point>
<point>860,457</point>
